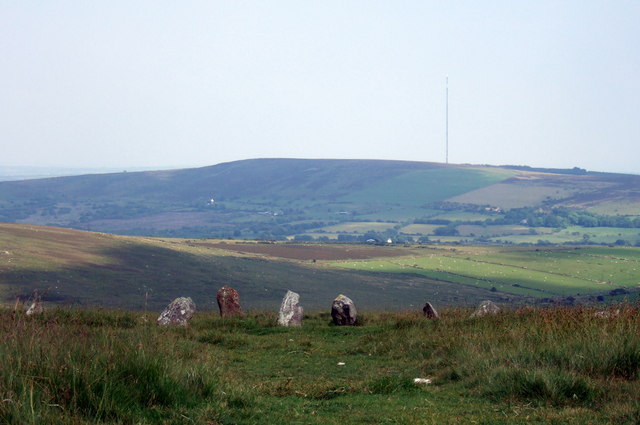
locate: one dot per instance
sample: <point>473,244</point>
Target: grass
<point>529,365</point>
<point>531,272</point>
<point>357,227</point>
<point>410,189</point>
<point>90,269</point>
<point>82,268</point>
<point>576,234</point>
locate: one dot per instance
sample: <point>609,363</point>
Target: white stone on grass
<point>291,312</point>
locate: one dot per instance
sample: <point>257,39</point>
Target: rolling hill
<point>325,199</point>
<point>74,267</point>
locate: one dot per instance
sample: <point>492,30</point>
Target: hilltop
<point>339,199</point>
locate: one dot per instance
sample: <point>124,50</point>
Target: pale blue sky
<point>163,83</point>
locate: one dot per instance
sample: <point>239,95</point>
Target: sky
<point>546,83</point>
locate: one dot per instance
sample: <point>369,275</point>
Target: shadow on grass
<point>141,276</point>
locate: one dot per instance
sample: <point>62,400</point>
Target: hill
<point>336,199</point>
<point>72,267</point>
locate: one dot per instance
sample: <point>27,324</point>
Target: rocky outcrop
<point>430,312</point>
<point>178,313</point>
<point>485,308</point>
<point>291,312</point>
<point>343,311</point>
<point>229,302</point>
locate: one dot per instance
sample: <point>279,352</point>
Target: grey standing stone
<point>486,307</point>
<point>36,308</point>
<point>606,314</point>
<point>229,302</point>
<point>430,312</point>
<point>343,311</point>
<point>178,313</point>
<point>291,312</point>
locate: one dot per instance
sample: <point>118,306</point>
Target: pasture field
<point>560,366</point>
<point>357,227</point>
<point>461,216</point>
<point>514,194</point>
<point>498,230</point>
<point>532,272</point>
<point>630,206</point>
<point>419,229</point>
<point>576,234</point>
<point>415,193</point>
<point>394,213</point>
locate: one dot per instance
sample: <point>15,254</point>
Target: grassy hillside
<point>74,267</point>
<point>77,267</point>
<point>560,366</point>
<point>282,198</point>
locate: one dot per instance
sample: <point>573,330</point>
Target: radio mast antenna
<point>447,123</point>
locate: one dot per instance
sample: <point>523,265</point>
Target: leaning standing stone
<point>291,312</point>
<point>486,307</point>
<point>178,312</point>
<point>343,311</point>
<point>229,302</point>
<point>36,308</point>
<point>430,312</point>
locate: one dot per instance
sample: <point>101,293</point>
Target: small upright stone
<point>36,308</point>
<point>606,314</point>
<point>343,311</point>
<point>229,302</point>
<point>178,313</point>
<point>430,312</point>
<point>291,311</point>
<point>486,307</point>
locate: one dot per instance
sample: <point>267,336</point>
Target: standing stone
<point>430,312</point>
<point>343,311</point>
<point>291,312</point>
<point>36,308</point>
<point>229,302</point>
<point>486,307</point>
<point>178,312</point>
<point>606,314</point>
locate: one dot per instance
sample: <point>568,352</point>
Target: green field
<point>536,273</point>
<point>499,230</point>
<point>576,234</point>
<point>356,227</point>
<point>419,229</point>
<point>410,189</point>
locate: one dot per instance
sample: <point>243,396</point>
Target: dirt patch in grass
<point>314,252</point>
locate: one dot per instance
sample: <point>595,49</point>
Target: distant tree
<point>449,230</point>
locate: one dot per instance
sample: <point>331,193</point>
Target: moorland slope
<point>309,198</point>
<point>72,267</point>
